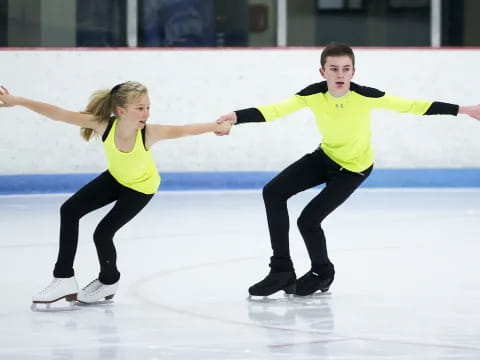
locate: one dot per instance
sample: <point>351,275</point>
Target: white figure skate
<point>97,293</point>
<point>58,289</point>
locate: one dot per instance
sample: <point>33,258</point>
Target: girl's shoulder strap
<point>143,137</point>
<point>107,130</point>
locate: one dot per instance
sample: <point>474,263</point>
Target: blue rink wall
<point>380,178</point>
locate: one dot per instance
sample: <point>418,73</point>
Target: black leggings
<point>311,170</point>
<point>101,191</point>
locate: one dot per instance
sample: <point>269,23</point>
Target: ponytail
<point>103,102</point>
<point>100,105</point>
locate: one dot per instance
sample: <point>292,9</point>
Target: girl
<point>119,116</point>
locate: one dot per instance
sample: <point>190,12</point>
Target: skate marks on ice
<point>320,321</point>
<point>234,312</point>
<point>201,311</point>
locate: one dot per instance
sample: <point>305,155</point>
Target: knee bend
<point>271,192</point>
<point>68,210</point>
<point>100,234</point>
<point>305,222</point>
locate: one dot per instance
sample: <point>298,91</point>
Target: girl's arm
<point>51,111</point>
<point>156,132</point>
<point>472,111</point>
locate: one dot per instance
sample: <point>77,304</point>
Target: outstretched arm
<point>156,132</point>
<point>263,113</point>
<point>421,107</point>
<point>50,111</point>
<point>472,111</point>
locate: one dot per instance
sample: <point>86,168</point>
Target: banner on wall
<point>177,23</point>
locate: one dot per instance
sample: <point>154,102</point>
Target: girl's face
<point>338,71</point>
<point>137,112</point>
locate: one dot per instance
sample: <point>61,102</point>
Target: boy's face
<point>338,71</point>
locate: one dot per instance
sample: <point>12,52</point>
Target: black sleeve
<point>441,108</point>
<point>249,115</point>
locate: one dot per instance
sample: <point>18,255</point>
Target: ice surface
<point>406,287</point>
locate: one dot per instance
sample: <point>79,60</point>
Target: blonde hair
<point>102,103</point>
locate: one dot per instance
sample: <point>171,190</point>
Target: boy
<point>342,162</point>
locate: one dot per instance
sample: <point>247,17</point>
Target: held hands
<point>472,111</point>
<point>229,118</point>
<point>6,100</point>
<point>222,128</point>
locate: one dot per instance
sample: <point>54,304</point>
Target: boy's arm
<point>262,113</point>
<point>380,100</point>
<point>273,111</point>
<point>417,107</point>
<point>50,111</point>
<point>270,112</point>
<point>441,108</point>
<point>422,107</point>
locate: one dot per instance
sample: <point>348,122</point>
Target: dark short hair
<point>336,49</point>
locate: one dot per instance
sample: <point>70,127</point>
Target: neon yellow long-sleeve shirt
<point>344,122</point>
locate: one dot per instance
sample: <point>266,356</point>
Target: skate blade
<point>317,299</point>
<point>95,303</point>
<point>274,298</point>
<point>315,295</point>
<point>52,307</point>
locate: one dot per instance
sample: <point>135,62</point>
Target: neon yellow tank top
<point>135,169</point>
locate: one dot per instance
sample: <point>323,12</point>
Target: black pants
<point>311,170</point>
<point>99,192</point>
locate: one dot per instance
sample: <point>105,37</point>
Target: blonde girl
<point>119,117</point>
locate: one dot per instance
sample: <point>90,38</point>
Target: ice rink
<point>407,280</point>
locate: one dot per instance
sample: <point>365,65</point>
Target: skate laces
<point>96,287</point>
<point>308,277</point>
<point>92,286</point>
<point>52,285</point>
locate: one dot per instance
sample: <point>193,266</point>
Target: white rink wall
<point>199,85</point>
